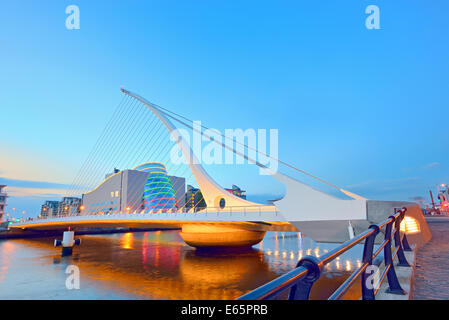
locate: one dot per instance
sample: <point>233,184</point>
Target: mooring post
<point>67,243</point>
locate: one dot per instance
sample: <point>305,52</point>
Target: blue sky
<point>364,109</point>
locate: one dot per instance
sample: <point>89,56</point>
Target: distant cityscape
<point>145,188</point>
<point>148,188</point>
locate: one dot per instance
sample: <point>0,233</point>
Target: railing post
<point>301,290</point>
<point>393,282</point>
<point>402,261</point>
<point>405,244</point>
<point>368,292</point>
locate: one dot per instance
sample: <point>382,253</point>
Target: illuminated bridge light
<point>158,192</point>
<point>410,225</point>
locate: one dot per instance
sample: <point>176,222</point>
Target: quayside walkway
<point>432,263</point>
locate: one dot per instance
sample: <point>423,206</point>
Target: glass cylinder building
<point>158,193</point>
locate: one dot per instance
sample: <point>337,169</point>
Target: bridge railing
<point>215,211</point>
<point>300,280</point>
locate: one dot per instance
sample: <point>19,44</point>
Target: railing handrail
<point>308,270</point>
<point>267,208</point>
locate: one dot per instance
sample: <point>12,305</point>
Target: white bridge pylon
<point>211,191</point>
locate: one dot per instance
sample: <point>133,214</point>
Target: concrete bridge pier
<point>216,236</point>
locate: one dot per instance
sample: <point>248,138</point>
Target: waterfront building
<point>3,197</point>
<point>194,199</point>
<point>158,192</point>
<point>147,187</point>
<point>179,186</point>
<point>50,209</point>
<point>235,190</point>
<point>69,206</point>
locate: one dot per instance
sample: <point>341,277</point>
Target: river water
<point>158,265</point>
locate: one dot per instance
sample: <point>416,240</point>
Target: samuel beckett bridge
<point>150,192</point>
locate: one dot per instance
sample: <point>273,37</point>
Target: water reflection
<point>158,265</point>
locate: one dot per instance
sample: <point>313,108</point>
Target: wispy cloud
<point>386,183</point>
<point>30,188</point>
<point>387,189</point>
<point>36,192</point>
<point>432,165</point>
<point>32,184</point>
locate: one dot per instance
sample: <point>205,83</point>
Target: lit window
<point>116,193</point>
<point>112,194</point>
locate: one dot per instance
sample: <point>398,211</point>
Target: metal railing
<point>308,270</point>
<point>213,211</point>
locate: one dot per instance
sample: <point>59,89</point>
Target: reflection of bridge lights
<point>269,252</point>
<point>284,254</point>
<point>127,240</point>
<point>317,252</point>
<point>359,263</point>
<point>338,264</point>
<point>292,255</point>
<point>309,252</point>
<point>276,253</point>
<point>348,265</point>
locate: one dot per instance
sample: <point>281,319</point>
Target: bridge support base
<point>216,236</point>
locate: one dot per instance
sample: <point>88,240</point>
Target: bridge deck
<point>256,220</point>
<point>432,268</point>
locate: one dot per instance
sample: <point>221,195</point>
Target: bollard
<point>67,243</point>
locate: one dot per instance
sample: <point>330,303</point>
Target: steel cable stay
<point>88,176</point>
<point>96,146</point>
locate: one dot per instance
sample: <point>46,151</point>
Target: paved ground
<point>432,263</point>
